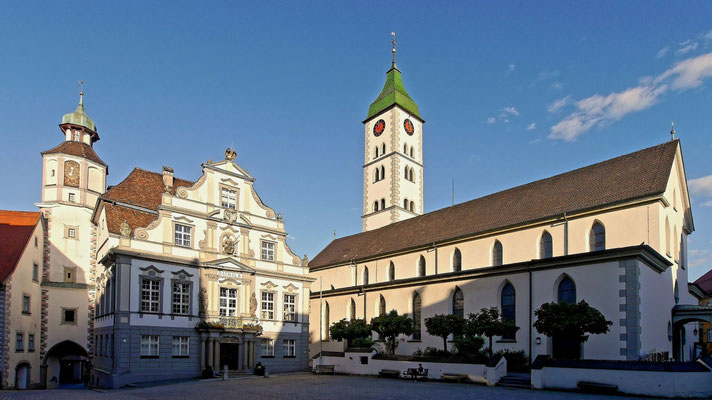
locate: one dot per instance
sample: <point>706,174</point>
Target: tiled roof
<point>16,228</point>
<point>633,176</point>
<point>79,149</point>
<point>142,189</point>
<point>705,282</point>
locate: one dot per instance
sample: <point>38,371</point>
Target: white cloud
<point>491,120</point>
<point>511,110</point>
<point>663,52</point>
<point>558,104</point>
<point>701,188</point>
<point>600,110</point>
<point>557,85</point>
<point>510,68</point>
<point>544,75</point>
<point>531,126</point>
<point>686,48</point>
<point>708,35</point>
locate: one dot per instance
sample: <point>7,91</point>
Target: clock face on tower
<point>408,125</point>
<point>379,127</point>
<point>71,173</point>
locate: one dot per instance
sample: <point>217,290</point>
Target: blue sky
<point>511,92</point>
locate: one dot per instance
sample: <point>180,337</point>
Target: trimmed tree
<point>488,322</point>
<point>444,325</point>
<point>570,321</point>
<point>354,332</point>
<point>391,325</point>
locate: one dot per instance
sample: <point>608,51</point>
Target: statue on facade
<point>228,245</point>
<point>305,261</point>
<point>203,296</point>
<point>125,229</point>
<point>230,154</point>
<point>253,304</point>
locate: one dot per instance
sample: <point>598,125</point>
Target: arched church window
<point>667,236</point>
<point>376,152</point>
<point>405,204</point>
<point>412,206</point>
<point>375,206</point>
<point>421,266</point>
<point>382,306</point>
<point>457,260</point>
<point>383,204</point>
<point>383,172</point>
<point>458,303</point>
<point>566,292</point>
<point>497,253</point>
<point>597,238</point>
<point>352,310</point>
<point>411,152</point>
<point>378,175</point>
<point>416,317</point>
<point>325,327</point>
<point>508,299</point>
<point>405,172</point>
<point>391,271</point>
<point>405,149</point>
<point>365,275</point>
<point>677,293</point>
<point>675,247</point>
<point>383,149</point>
<point>545,245</point>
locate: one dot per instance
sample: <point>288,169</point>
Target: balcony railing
<point>232,321</point>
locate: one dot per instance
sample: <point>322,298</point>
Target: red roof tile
<point>16,227</point>
<point>79,149</point>
<point>140,188</point>
<point>618,180</point>
<point>705,282</point>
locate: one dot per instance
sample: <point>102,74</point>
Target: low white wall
<point>350,363</point>
<point>647,383</point>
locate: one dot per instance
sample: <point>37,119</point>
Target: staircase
<point>514,380</point>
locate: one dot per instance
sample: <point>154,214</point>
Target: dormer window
<point>229,198</point>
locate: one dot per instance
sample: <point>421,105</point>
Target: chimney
<point>167,179</point>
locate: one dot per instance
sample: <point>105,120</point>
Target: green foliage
<point>350,331</point>
<point>517,360</point>
<point>573,320</point>
<point>444,325</point>
<point>390,326</point>
<point>488,322</point>
<point>362,343</point>
<point>468,346</point>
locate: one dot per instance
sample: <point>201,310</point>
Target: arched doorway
<point>22,375</point>
<point>66,365</point>
<point>683,314</point>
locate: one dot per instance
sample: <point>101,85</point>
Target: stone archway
<point>23,372</point>
<point>681,315</point>
<point>66,364</point>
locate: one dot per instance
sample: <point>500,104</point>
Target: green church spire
<point>393,92</point>
<point>79,116</point>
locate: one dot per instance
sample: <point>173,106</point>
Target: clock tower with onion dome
<point>73,178</point>
<point>393,167</point>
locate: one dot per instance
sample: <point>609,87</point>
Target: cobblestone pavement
<point>307,386</point>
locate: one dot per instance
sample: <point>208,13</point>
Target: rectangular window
<point>290,307</point>
<point>70,274</point>
<point>228,302</point>
<point>150,295</point>
<point>72,198</point>
<point>267,348</point>
<point>180,346</point>
<point>149,345</point>
<point>30,342</point>
<point>289,348</point>
<point>25,304</point>
<point>35,272</point>
<point>72,233</point>
<point>69,316</point>
<point>182,235</point>
<point>267,305</point>
<point>19,341</point>
<point>268,251</point>
<point>181,298</point>
<point>229,198</point>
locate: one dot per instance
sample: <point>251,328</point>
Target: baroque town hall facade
<point>155,278</point>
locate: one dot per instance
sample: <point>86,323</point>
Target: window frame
<point>505,307</point>
<point>159,291</point>
<point>181,242</point>
<point>30,342</point>
<point>64,316</point>
<point>19,342</point>
<point>264,303</point>
<point>235,191</point>
<point>180,345</point>
<point>417,317</point>
<point>26,304</point>
<point>593,239</point>
<point>546,245</point>
<point>292,304</point>
<point>149,346</point>
<point>497,253</point>
<point>225,308</point>
<point>186,295</point>
<point>289,348</point>
<point>263,249</point>
<point>73,271</point>
<point>267,344</point>
<point>35,272</point>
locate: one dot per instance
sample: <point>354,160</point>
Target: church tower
<point>393,166</point>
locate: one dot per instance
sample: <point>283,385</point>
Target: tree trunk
<point>445,343</point>
<point>490,346</point>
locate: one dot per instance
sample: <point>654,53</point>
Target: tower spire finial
<point>393,50</point>
<point>672,132</point>
<point>81,92</point>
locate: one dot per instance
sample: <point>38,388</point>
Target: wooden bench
<point>389,373</point>
<point>413,373</point>
<point>324,369</point>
